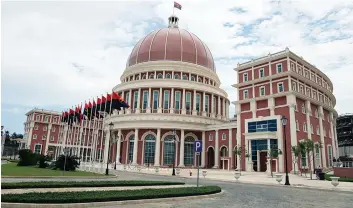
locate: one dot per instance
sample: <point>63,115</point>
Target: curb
<point>111,203</point>
<point>68,177</point>
<point>265,184</point>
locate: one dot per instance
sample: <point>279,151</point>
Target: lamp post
<point>284,123</point>
<point>173,174</point>
<point>110,134</point>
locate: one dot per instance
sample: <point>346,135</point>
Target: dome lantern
<point>173,21</point>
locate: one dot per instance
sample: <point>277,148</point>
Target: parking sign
<point>198,146</point>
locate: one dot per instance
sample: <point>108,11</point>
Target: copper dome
<point>171,44</point>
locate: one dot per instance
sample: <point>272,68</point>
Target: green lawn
<point>327,177</point>
<point>11,169</point>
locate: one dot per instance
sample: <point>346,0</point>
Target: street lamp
<point>173,174</point>
<point>284,123</point>
<point>111,125</point>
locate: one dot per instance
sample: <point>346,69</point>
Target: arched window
<point>138,77</point>
<point>185,77</point>
<point>168,150</point>
<point>144,76</point>
<point>192,78</point>
<point>151,76</point>
<point>176,76</point>
<point>167,76</point>
<point>131,147</point>
<point>150,146</point>
<point>189,151</point>
<point>200,79</point>
<point>160,76</point>
<point>224,151</point>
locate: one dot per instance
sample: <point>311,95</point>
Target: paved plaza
<point>238,194</point>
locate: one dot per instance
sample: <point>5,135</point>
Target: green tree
<point>272,153</point>
<point>295,155</point>
<point>27,158</point>
<point>308,147</point>
<point>239,150</point>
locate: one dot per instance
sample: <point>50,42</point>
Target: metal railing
<point>344,164</point>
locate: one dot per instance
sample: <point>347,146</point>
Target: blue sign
<point>198,146</point>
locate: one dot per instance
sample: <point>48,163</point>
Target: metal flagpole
<point>102,135</point>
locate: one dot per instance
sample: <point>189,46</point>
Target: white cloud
<point>63,53</point>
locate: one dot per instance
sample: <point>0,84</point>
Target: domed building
<point>171,84</point>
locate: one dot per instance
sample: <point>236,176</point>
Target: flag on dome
<point>177,5</point>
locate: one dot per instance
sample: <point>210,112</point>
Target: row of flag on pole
<point>95,109</point>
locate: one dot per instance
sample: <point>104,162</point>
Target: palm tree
<point>296,154</point>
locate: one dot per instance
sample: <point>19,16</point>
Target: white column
<point>308,113</point>
<point>118,146</point>
<point>194,104</point>
<point>271,105</point>
<point>160,101</point>
<point>47,140</point>
<point>212,106</point>
<point>216,156</point>
<point>183,109</point>
<point>323,150</point>
<point>219,108</point>
<point>203,153</point>
<point>172,101</point>
<point>181,156</point>
<point>224,108</point>
<point>138,102</point>
<point>204,104</point>
<point>157,150</point>
<point>149,100</point>
<point>134,159</point>
<point>106,147</point>
<point>30,134</point>
<point>230,149</point>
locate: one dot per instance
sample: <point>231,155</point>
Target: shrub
<point>64,184</point>
<point>27,158</point>
<point>103,196</point>
<point>43,161</point>
<point>70,164</point>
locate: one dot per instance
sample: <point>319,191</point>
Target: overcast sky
<point>58,54</point>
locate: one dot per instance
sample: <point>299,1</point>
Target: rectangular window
<point>177,100</point>
<point>262,126</point>
<point>46,119</point>
<point>36,127</point>
<point>329,150</point>
<point>166,99</point>
<point>246,94</point>
<point>317,157</point>
<point>261,73</point>
<point>145,99</point>
<point>214,105</point>
<point>279,68</point>
<point>198,101</point>
<point>188,100</point>
<point>51,138</point>
<point>155,99</point>
<point>38,117</point>
<point>136,94</point>
<point>262,91</point>
<point>280,87</point>
<point>127,97</point>
<point>303,159</point>
<point>38,148</point>
<point>245,77</point>
<point>292,66</point>
<point>207,97</point>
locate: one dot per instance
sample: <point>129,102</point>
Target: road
<point>244,195</point>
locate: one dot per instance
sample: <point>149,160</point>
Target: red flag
<point>177,5</point>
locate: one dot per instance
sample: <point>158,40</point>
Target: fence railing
<point>344,164</point>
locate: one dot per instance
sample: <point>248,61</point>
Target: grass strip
<point>67,184</point>
<point>104,196</point>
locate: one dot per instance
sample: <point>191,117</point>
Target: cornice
<point>169,83</point>
<point>283,54</point>
<point>170,66</point>
<point>262,79</point>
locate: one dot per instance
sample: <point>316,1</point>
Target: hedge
<point>104,196</point>
<point>327,177</point>
<point>66,184</point>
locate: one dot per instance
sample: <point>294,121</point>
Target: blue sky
<point>56,55</point>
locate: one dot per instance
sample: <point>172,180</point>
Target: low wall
<point>343,172</point>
